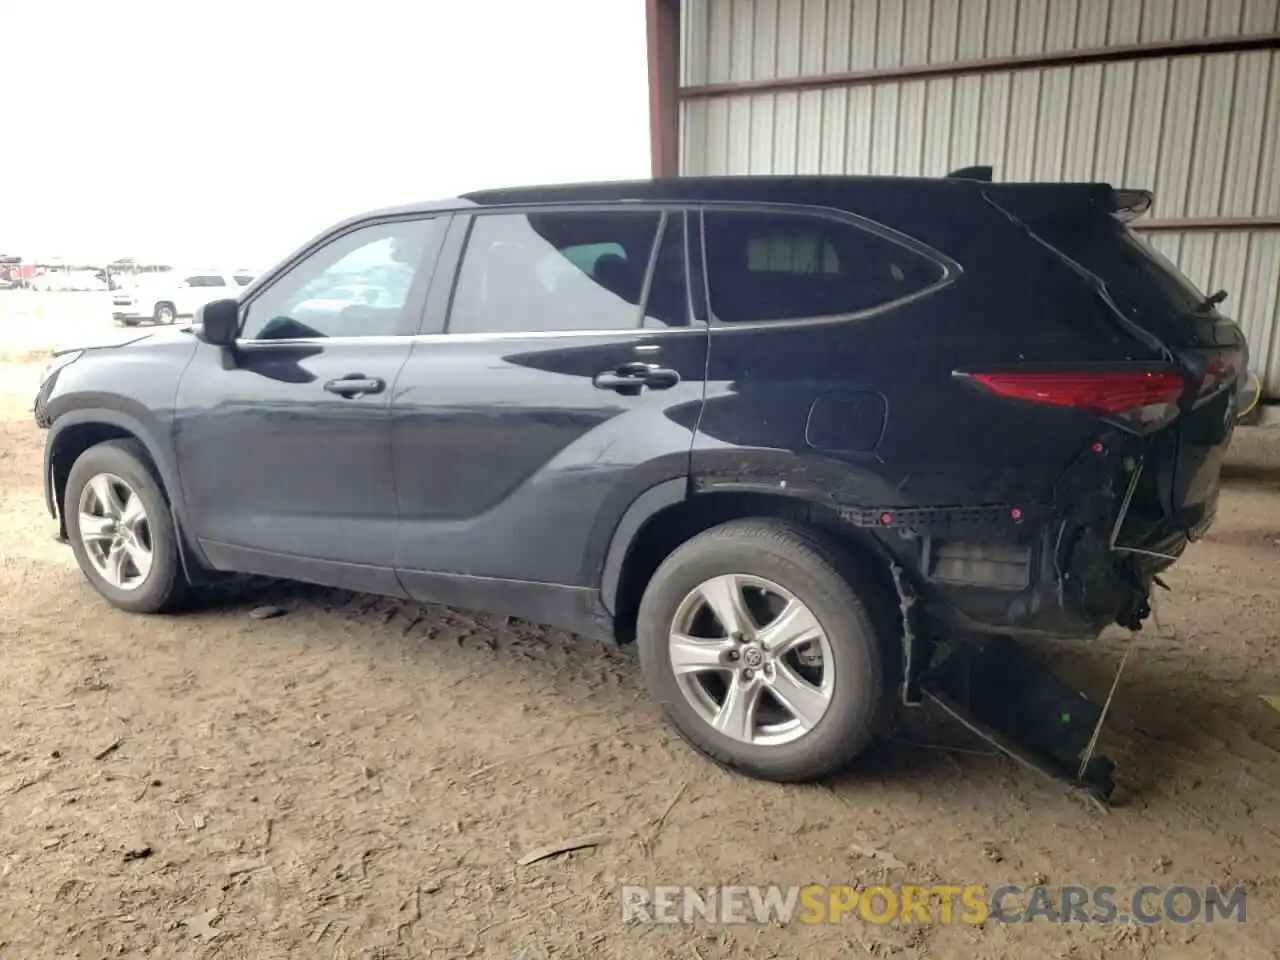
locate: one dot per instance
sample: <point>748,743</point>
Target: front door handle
<point>631,378</point>
<point>354,385</point>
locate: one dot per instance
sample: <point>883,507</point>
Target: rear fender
<point>643,509</point>
<point>725,501</point>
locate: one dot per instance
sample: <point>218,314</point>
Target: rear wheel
<point>165,313</point>
<point>762,651</point>
<point>121,529</point>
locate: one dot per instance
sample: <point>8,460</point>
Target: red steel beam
<point>662,21</point>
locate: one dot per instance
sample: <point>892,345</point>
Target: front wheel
<point>165,313</point>
<point>121,530</point>
<point>762,652</point>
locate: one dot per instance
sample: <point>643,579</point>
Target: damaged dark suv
<point>788,435</point>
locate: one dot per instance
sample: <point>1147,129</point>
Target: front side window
<point>553,271</point>
<point>357,285</point>
<point>784,266</point>
<point>243,280</point>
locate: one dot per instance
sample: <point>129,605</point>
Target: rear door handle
<point>354,385</point>
<point>631,378</point>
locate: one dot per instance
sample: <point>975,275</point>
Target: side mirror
<point>218,322</point>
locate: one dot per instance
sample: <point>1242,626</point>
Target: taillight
<point>1218,372</point>
<point>1142,398</point>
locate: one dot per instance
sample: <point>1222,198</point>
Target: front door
<point>567,380</point>
<point>284,446</point>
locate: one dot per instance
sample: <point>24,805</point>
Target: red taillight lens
<point>1219,371</point>
<point>1141,397</point>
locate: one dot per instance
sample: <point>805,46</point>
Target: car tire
<point>129,321</point>
<point>164,313</point>
<point>848,609</point>
<point>126,468</point>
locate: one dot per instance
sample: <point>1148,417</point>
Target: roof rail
<point>972,173</point>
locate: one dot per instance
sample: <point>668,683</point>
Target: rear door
<point>566,379</point>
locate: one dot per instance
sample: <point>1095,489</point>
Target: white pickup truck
<point>163,298</point>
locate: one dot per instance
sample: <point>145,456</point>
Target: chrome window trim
<point>372,341</point>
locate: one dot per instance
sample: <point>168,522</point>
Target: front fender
<point>150,435</point>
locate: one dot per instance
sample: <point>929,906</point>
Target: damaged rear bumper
<point>1020,571</point>
<point>1007,695</point>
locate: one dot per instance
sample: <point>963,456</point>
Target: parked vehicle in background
<point>10,272</point>
<point>166,297</point>
<point>83,281</point>
<point>787,434</point>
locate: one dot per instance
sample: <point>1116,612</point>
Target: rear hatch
<point>1151,298</point>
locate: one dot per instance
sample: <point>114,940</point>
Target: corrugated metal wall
<point>1202,131</point>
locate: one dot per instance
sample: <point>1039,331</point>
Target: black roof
<point>810,188</point>
<point>867,194</point>
<point>709,188</point>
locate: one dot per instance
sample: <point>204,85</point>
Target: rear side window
<point>561,270</point>
<point>783,266</point>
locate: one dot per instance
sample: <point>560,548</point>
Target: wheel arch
<point>664,517</point>
<point>76,431</point>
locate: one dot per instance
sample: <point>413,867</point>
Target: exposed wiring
<point>1097,729</point>
<point>1124,504</point>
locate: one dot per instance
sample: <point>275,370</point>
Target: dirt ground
<point>358,777</point>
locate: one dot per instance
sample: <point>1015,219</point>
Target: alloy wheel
<point>752,659</point>
<point>115,531</point>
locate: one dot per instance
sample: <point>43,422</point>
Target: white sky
<point>230,132</point>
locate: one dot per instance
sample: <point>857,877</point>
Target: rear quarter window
<point>1129,264</point>
<point>785,266</point>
